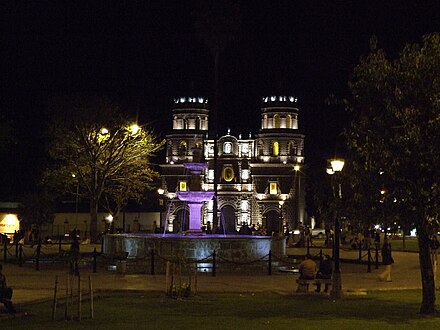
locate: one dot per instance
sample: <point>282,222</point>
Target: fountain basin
<point>195,196</point>
<point>237,248</point>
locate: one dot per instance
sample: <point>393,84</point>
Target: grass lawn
<point>152,310</point>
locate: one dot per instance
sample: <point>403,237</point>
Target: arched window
<point>276,121</point>
<point>289,121</point>
<point>292,148</point>
<point>228,173</point>
<point>275,148</point>
<point>227,147</point>
<point>183,146</point>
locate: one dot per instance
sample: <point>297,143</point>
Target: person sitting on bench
<point>5,293</point>
<point>307,268</point>
<point>324,272</point>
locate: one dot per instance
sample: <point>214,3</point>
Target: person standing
<point>387,261</point>
<point>6,293</point>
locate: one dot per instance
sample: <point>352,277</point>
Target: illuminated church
<point>259,178</point>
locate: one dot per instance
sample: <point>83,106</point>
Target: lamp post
<point>296,168</point>
<point>161,191</point>
<point>281,231</point>
<point>336,167</point>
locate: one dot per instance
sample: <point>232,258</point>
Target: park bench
<point>303,284</point>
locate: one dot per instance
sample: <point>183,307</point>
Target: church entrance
<point>273,222</point>
<point>181,222</point>
<point>227,217</point>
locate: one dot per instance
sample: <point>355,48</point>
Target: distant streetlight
<point>134,129</point>
<point>109,218</point>
<point>336,167</point>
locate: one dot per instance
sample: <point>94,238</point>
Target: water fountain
<point>195,196</point>
<point>194,243</point>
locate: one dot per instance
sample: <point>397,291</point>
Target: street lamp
<point>296,168</point>
<point>161,191</point>
<point>336,167</point>
<point>281,203</point>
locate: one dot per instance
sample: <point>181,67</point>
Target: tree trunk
<point>428,283</point>
<point>93,220</point>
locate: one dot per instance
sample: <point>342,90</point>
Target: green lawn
<point>152,310</point>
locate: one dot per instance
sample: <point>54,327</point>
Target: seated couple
<point>309,271</point>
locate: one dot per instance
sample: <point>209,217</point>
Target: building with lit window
<point>259,178</point>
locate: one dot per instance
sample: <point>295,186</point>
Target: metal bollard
<point>94,259</point>
<point>369,260</point>
<point>20,256</point>
<point>5,249</point>
<point>152,262</point>
<point>213,264</point>
<point>269,266</point>
<point>377,257</point>
<point>37,265</point>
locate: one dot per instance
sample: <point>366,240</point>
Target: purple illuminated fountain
<point>195,196</point>
<point>195,244</point>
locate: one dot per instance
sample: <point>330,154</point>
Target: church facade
<point>259,178</point>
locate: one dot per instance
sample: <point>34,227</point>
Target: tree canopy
<point>99,153</point>
<point>395,138</point>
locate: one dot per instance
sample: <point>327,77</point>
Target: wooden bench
<point>303,284</point>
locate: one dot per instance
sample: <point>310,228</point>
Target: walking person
<point>387,261</point>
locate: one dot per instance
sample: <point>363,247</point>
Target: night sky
<point>141,54</point>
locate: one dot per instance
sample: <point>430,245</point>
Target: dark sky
<point>141,54</point>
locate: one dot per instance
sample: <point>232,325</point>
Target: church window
<point>273,188</point>
<point>276,121</point>
<point>183,146</point>
<point>228,173</point>
<point>275,149</point>
<point>227,147</point>
<point>182,185</point>
<point>245,174</point>
<point>289,121</point>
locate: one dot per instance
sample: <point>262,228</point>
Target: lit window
<point>273,188</point>
<point>245,148</point>
<point>227,147</point>
<point>245,174</point>
<point>210,174</point>
<point>228,173</point>
<point>182,185</point>
<point>244,205</point>
<point>276,148</point>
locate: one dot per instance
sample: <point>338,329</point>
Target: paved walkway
<point>30,285</point>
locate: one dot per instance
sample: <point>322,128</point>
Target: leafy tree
<point>36,209</point>
<point>98,153</point>
<point>396,130</point>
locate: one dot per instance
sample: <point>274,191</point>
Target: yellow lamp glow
<point>337,164</point>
